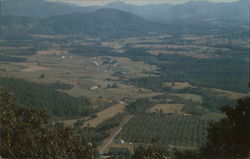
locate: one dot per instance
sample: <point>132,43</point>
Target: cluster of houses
<point>66,57</point>
<point>112,85</point>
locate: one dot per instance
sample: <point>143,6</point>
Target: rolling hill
<point>102,23</point>
<point>191,11</point>
<point>124,20</point>
<point>234,12</point>
<point>40,8</point>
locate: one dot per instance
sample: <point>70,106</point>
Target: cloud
<point>135,2</point>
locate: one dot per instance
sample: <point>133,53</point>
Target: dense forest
<point>28,133</point>
<point>229,74</point>
<point>47,97</point>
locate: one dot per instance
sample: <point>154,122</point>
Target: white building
<point>93,87</point>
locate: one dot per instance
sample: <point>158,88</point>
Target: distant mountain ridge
<point>123,20</point>
<point>40,8</point>
<point>167,13</point>
<point>102,23</point>
<point>235,11</point>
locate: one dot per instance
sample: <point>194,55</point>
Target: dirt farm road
<point>114,134</point>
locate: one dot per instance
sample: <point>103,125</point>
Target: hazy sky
<point>136,2</point>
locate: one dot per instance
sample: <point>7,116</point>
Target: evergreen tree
<point>27,133</point>
<point>230,137</point>
<point>155,150</point>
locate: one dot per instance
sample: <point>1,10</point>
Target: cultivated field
<point>167,108</point>
<point>82,72</point>
<point>169,129</point>
<point>230,94</point>
<point>191,54</point>
<point>189,96</point>
<point>178,85</point>
<point>104,115</point>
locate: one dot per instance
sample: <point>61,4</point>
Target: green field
<point>174,130</point>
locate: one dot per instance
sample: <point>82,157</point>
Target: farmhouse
<point>93,88</point>
<point>169,100</point>
<point>120,142</point>
<point>95,63</point>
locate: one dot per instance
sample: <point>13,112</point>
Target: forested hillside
<point>40,8</point>
<point>27,133</point>
<point>101,23</point>
<point>47,97</point>
<point>190,12</point>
